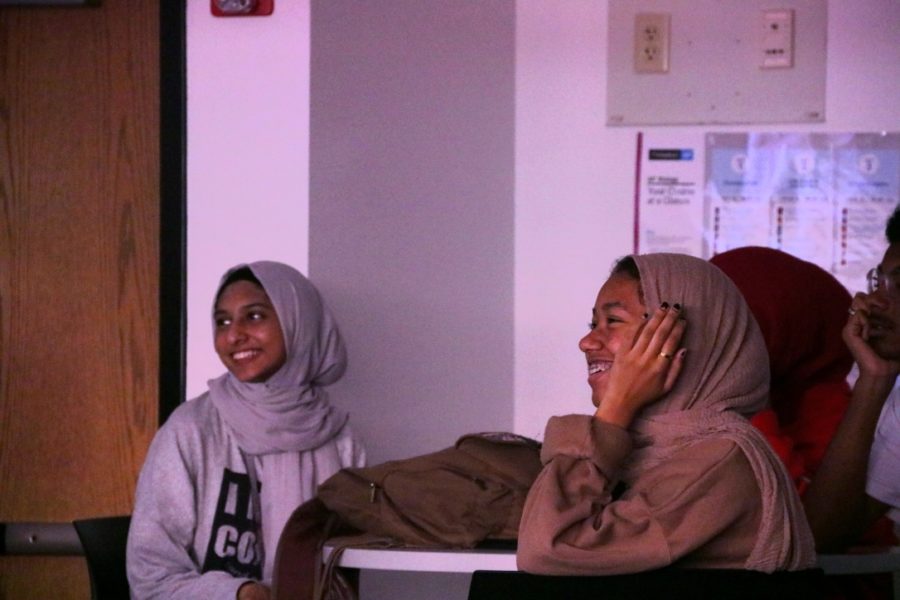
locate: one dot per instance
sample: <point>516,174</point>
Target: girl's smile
<point>248,337</point>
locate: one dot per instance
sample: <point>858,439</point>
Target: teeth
<point>243,354</point>
<point>599,367</point>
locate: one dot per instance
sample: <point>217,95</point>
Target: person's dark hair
<point>892,231</point>
<point>628,267</point>
<point>242,274</point>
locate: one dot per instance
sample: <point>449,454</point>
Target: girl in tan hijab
<point>668,470</point>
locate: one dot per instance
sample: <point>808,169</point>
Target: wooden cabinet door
<point>79,270</point>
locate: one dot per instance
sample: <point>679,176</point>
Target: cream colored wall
<point>247,155</point>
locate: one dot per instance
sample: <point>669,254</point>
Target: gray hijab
<point>290,411</point>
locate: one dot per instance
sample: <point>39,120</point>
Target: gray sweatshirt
<point>192,533</point>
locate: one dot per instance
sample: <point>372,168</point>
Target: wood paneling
<point>44,577</point>
<point>79,268</point>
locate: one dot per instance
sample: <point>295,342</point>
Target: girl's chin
<point>598,390</point>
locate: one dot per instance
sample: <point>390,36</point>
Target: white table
<point>467,561</point>
<point>433,561</point>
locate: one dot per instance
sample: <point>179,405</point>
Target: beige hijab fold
<point>725,379</point>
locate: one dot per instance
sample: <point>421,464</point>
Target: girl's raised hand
<point>647,368</point>
<point>856,336</point>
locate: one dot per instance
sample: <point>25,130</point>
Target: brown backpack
<point>453,498</point>
<point>456,497</point>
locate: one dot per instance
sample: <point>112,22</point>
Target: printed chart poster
<point>867,190</point>
<point>669,202</point>
<point>824,198</point>
<point>771,190</point>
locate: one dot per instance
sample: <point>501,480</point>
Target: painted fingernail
<point>664,306</point>
<point>676,306</point>
<point>682,352</point>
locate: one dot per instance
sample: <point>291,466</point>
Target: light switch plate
<point>777,39</point>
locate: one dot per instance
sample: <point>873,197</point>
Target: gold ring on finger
<point>665,355</point>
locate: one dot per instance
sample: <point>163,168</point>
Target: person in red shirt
<point>800,309</point>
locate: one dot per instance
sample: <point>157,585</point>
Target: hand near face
<point>645,369</point>
<point>863,335</point>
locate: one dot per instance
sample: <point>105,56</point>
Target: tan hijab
<point>725,380</point>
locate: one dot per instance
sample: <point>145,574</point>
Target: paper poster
<point>736,209</point>
<point>669,203</point>
<point>866,191</point>
<point>821,197</point>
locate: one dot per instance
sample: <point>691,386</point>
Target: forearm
<point>163,557</point>
<point>706,494</point>
<point>557,531</point>
<point>836,504</point>
<point>160,566</point>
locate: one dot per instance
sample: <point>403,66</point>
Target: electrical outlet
<point>777,49</point>
<point>651,43</point>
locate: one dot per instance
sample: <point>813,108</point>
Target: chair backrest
<point>669,583</point>
<point>104,541</point>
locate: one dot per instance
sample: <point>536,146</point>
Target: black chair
<point>669,583</point>
<point>104,542</point>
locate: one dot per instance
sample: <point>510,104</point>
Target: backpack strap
<point>331,583</point>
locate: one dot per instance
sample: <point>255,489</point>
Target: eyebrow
<point>611,305</point>
<point>245,307</point>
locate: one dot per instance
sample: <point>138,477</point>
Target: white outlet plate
<point>651,42</point>
<point>777,48</point>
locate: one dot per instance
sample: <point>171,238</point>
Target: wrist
<point>870,392</point>
<point>875,383</point>
<point>615,412</point>
<point>879,370</point>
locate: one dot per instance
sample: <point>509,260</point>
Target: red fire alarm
<point>242,8</point>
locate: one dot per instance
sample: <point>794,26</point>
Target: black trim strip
<point>172,221</point>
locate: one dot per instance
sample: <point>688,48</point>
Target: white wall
<point>575,177</point>
<point>573,200</point>
<point>247,155</point>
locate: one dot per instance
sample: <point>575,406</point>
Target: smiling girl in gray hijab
<point>228,468</point>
